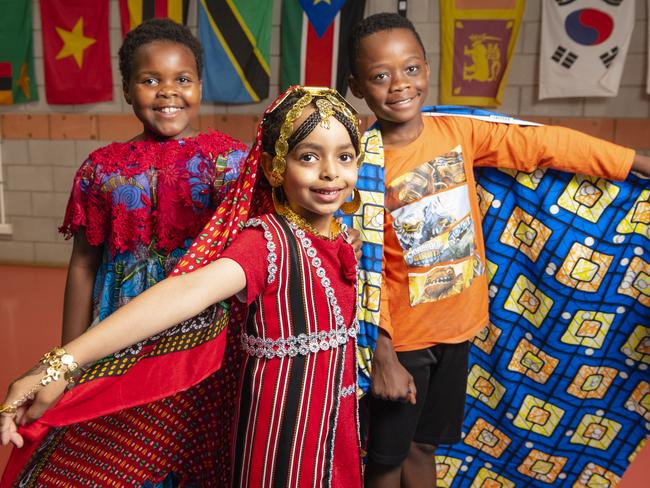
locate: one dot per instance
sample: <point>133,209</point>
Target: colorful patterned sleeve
<point>87,208</point>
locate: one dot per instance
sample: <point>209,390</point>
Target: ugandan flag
<point>134,12</point>
<point>236,37</point>
<point>17,83</point>
<point>314,41</point>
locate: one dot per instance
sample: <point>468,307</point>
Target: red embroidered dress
<point>297,419</point>
<point>146,201</point>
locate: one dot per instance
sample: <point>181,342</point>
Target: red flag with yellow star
<point>17,83</point>
<point>76,51</point>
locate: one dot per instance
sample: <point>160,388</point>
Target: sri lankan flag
<point>236,37</point>
<point>314,41</point>
<point>17,84</point>
<point>478,39</point>
<point>134,12</point>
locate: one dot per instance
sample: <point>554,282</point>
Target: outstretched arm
<point>641,164</point>
<point>164,305</point>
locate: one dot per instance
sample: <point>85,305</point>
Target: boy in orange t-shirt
<point>434,288</point>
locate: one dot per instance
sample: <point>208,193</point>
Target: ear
<point>200,89</point>
<point>266,161</point>
<point>353,84</point>
<point>428,69</point>
<point>125,90</point>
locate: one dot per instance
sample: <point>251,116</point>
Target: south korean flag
<point>583,47</point>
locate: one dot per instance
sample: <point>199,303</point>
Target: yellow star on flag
<point>328,2</point>
<point>74,42</point>
<point>23,81</point>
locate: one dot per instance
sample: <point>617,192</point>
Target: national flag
<point>314,41</point>
<point>583,47</point>
<point>478,39</point>
<point>134,12</point>
<point>76,51</point>
<point>236,37</point>
<point>17,82</point>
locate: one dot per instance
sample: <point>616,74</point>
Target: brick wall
<point>42,145</point>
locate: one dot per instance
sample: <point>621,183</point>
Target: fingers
<point>411,392</point>
<point>8,431</point>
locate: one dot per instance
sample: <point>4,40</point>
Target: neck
<point>320,225</point>
<point>400,133</point>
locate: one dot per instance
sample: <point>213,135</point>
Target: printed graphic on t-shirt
<point>430,208</point>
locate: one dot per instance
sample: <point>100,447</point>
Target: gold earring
<point>352,206</point>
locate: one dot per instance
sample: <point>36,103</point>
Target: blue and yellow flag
<point>236,36</point>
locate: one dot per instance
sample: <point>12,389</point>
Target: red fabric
<point>324,429</point>
<point>175,218</point>
<point>67,79</point>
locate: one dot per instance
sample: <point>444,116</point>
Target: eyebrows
<point>314,146</point>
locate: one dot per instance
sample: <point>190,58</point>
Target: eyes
<point>311,157</point>
<point>153,81</point>
<point>410,70</point>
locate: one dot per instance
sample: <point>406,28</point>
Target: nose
<point>328,169</point>
<point>399,81</point>
<point>166,89</point>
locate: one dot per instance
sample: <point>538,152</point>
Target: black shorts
<point>440,376</point>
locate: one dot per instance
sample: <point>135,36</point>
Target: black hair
<point>371,25</point>
<point>273,122</point>
<point>153,30</point>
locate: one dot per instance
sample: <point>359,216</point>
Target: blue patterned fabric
<point>558,390</point>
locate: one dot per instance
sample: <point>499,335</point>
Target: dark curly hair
<point>157,30</point>
<point>371,25</point>
<point>273,121</point>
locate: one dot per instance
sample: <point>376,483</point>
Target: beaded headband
<point>328,101</point>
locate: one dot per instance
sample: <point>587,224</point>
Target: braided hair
<point>273,121</point>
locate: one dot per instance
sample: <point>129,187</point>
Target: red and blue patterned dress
<point>145,202</point>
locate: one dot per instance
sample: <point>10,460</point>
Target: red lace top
<point>148,192</point>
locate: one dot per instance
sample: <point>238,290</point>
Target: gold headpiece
<point>328,101</point>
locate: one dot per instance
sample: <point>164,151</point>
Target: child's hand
<point>30,404</point>
<point>354,239</point>
<point>641,164</point>
<point>356,242</point>
<point>389,379</point>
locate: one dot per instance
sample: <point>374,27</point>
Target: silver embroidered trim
<point>313,342</point>
<point>272,257</point>
<point>302,344</point>
<point>348,390</point>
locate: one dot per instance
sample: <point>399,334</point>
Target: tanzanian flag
<point>134,12</point>
<point>236,36</point>
<point>17,83</point>
<point>312,51</point>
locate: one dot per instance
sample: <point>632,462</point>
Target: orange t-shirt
<point>434,287</point>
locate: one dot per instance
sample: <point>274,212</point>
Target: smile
<point>169,110</point>
<point>326,191</point>
<point>402,102</point>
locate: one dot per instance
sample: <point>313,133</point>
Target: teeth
<point>169,110</point>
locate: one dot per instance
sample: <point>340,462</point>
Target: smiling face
<point>392,75</point>
<point>164,90</point>
<point>321,172</point>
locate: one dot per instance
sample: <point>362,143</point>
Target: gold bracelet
<point>57,363</point>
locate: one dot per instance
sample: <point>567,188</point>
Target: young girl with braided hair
<point>297,408</point>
